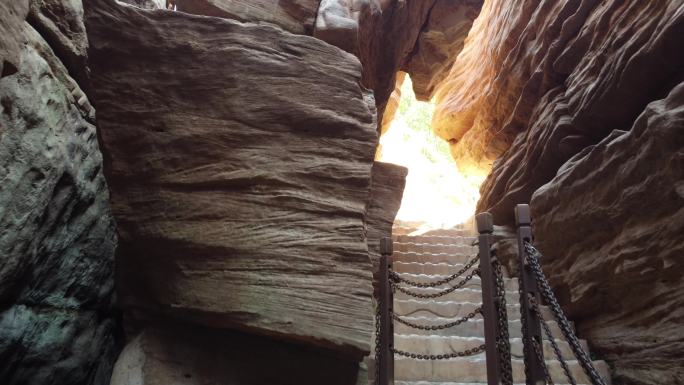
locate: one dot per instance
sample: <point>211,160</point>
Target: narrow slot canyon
<point>341,192</point>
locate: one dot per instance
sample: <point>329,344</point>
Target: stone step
<point>451,309</point>
<point>471,328</point>
<point>459,295</point>
<point>423,257</point>
<point>473,369</point>
<point>435,248</point>
<point>413,272</point>
<point>430,272</point>
<point>435,239</point>
<point>434,344</point>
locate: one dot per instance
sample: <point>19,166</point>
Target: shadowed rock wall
<point>57,239</point>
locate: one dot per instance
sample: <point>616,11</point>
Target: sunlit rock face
<point>57,236</point>
<point>562,73</point>
<point>240,186</point>
<point>551,92</point>
<point>611,224</point>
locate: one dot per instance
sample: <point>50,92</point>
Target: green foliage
<point>418,118</point>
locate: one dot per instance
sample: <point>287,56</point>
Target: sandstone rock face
<point>296,16</point>
<point>611,224</point>
<point>57,240</point>
<point>439,43</point>
<point>239,169</point>
<point>557,92</point>
<point>562,73</point>
<point>13,14</point>
<point>387,188</point>
<point>398,35</point>
<point>60,22</point>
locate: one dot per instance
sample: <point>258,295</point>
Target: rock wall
<point>419,37</point>
<point>240,188</point>
<point>557,92</point>
<point>57,241</point>
<point>611,224</point>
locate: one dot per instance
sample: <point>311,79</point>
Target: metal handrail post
<point>485,227</point>
<point>385,302</point>
<point>528,289</point>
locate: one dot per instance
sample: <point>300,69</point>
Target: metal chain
<point>503,342</point>
<point>459,321</point>
<point>396,277</point>
<point>523,320</point>
<point>540,357</point>
<point>459,285</point>
<point>377,344</point>
<point>433,357</point>
<point>532,257</point>
<point>549,336</point>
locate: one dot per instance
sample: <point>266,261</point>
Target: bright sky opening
<point>436,192</point>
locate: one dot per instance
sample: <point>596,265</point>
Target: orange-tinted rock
<point>610,225</point>
<point>439,43</point>
<point>239,168</point>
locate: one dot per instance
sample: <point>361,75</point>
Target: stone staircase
<point>426,258</point>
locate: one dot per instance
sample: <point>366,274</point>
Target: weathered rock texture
<point>421,37</point>
<point>540,86</point>
<point>13,14</point>
<point>563,73</point>
<point>57,240</point>
<point>239,168</point>
<point>387,188</point>
<point>406,35</point>
<point>296,16</point>
<point>611,225</point>
<point>60,22</point>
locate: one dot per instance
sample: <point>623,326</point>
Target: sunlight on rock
<point>436,192</point>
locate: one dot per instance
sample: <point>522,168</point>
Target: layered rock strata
<point>542,80</point>
<point>557,92</point>
<point>240,170</point>
<point>611,223</point>
<point>422,38</point>
<point>57,240</point>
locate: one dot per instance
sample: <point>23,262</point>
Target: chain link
<point>535,308</point>
<point>433,357</point>
<point>538,351</point>
<point>396,277</point>
<point>377,344</point>
<point>532,258</point>
<point>503,342</point>
<point>459,285</point>
<point>459,321</point>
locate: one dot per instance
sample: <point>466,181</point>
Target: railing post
<point>485,226</point>
<point>386,360</point>
<point>528,288</point>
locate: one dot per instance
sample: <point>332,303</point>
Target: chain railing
<point>492,310</point>
<point>533,288</point>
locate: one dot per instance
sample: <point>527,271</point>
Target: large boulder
<point>239,162</point>
<point>610,225</point>
<point>58,237</point>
